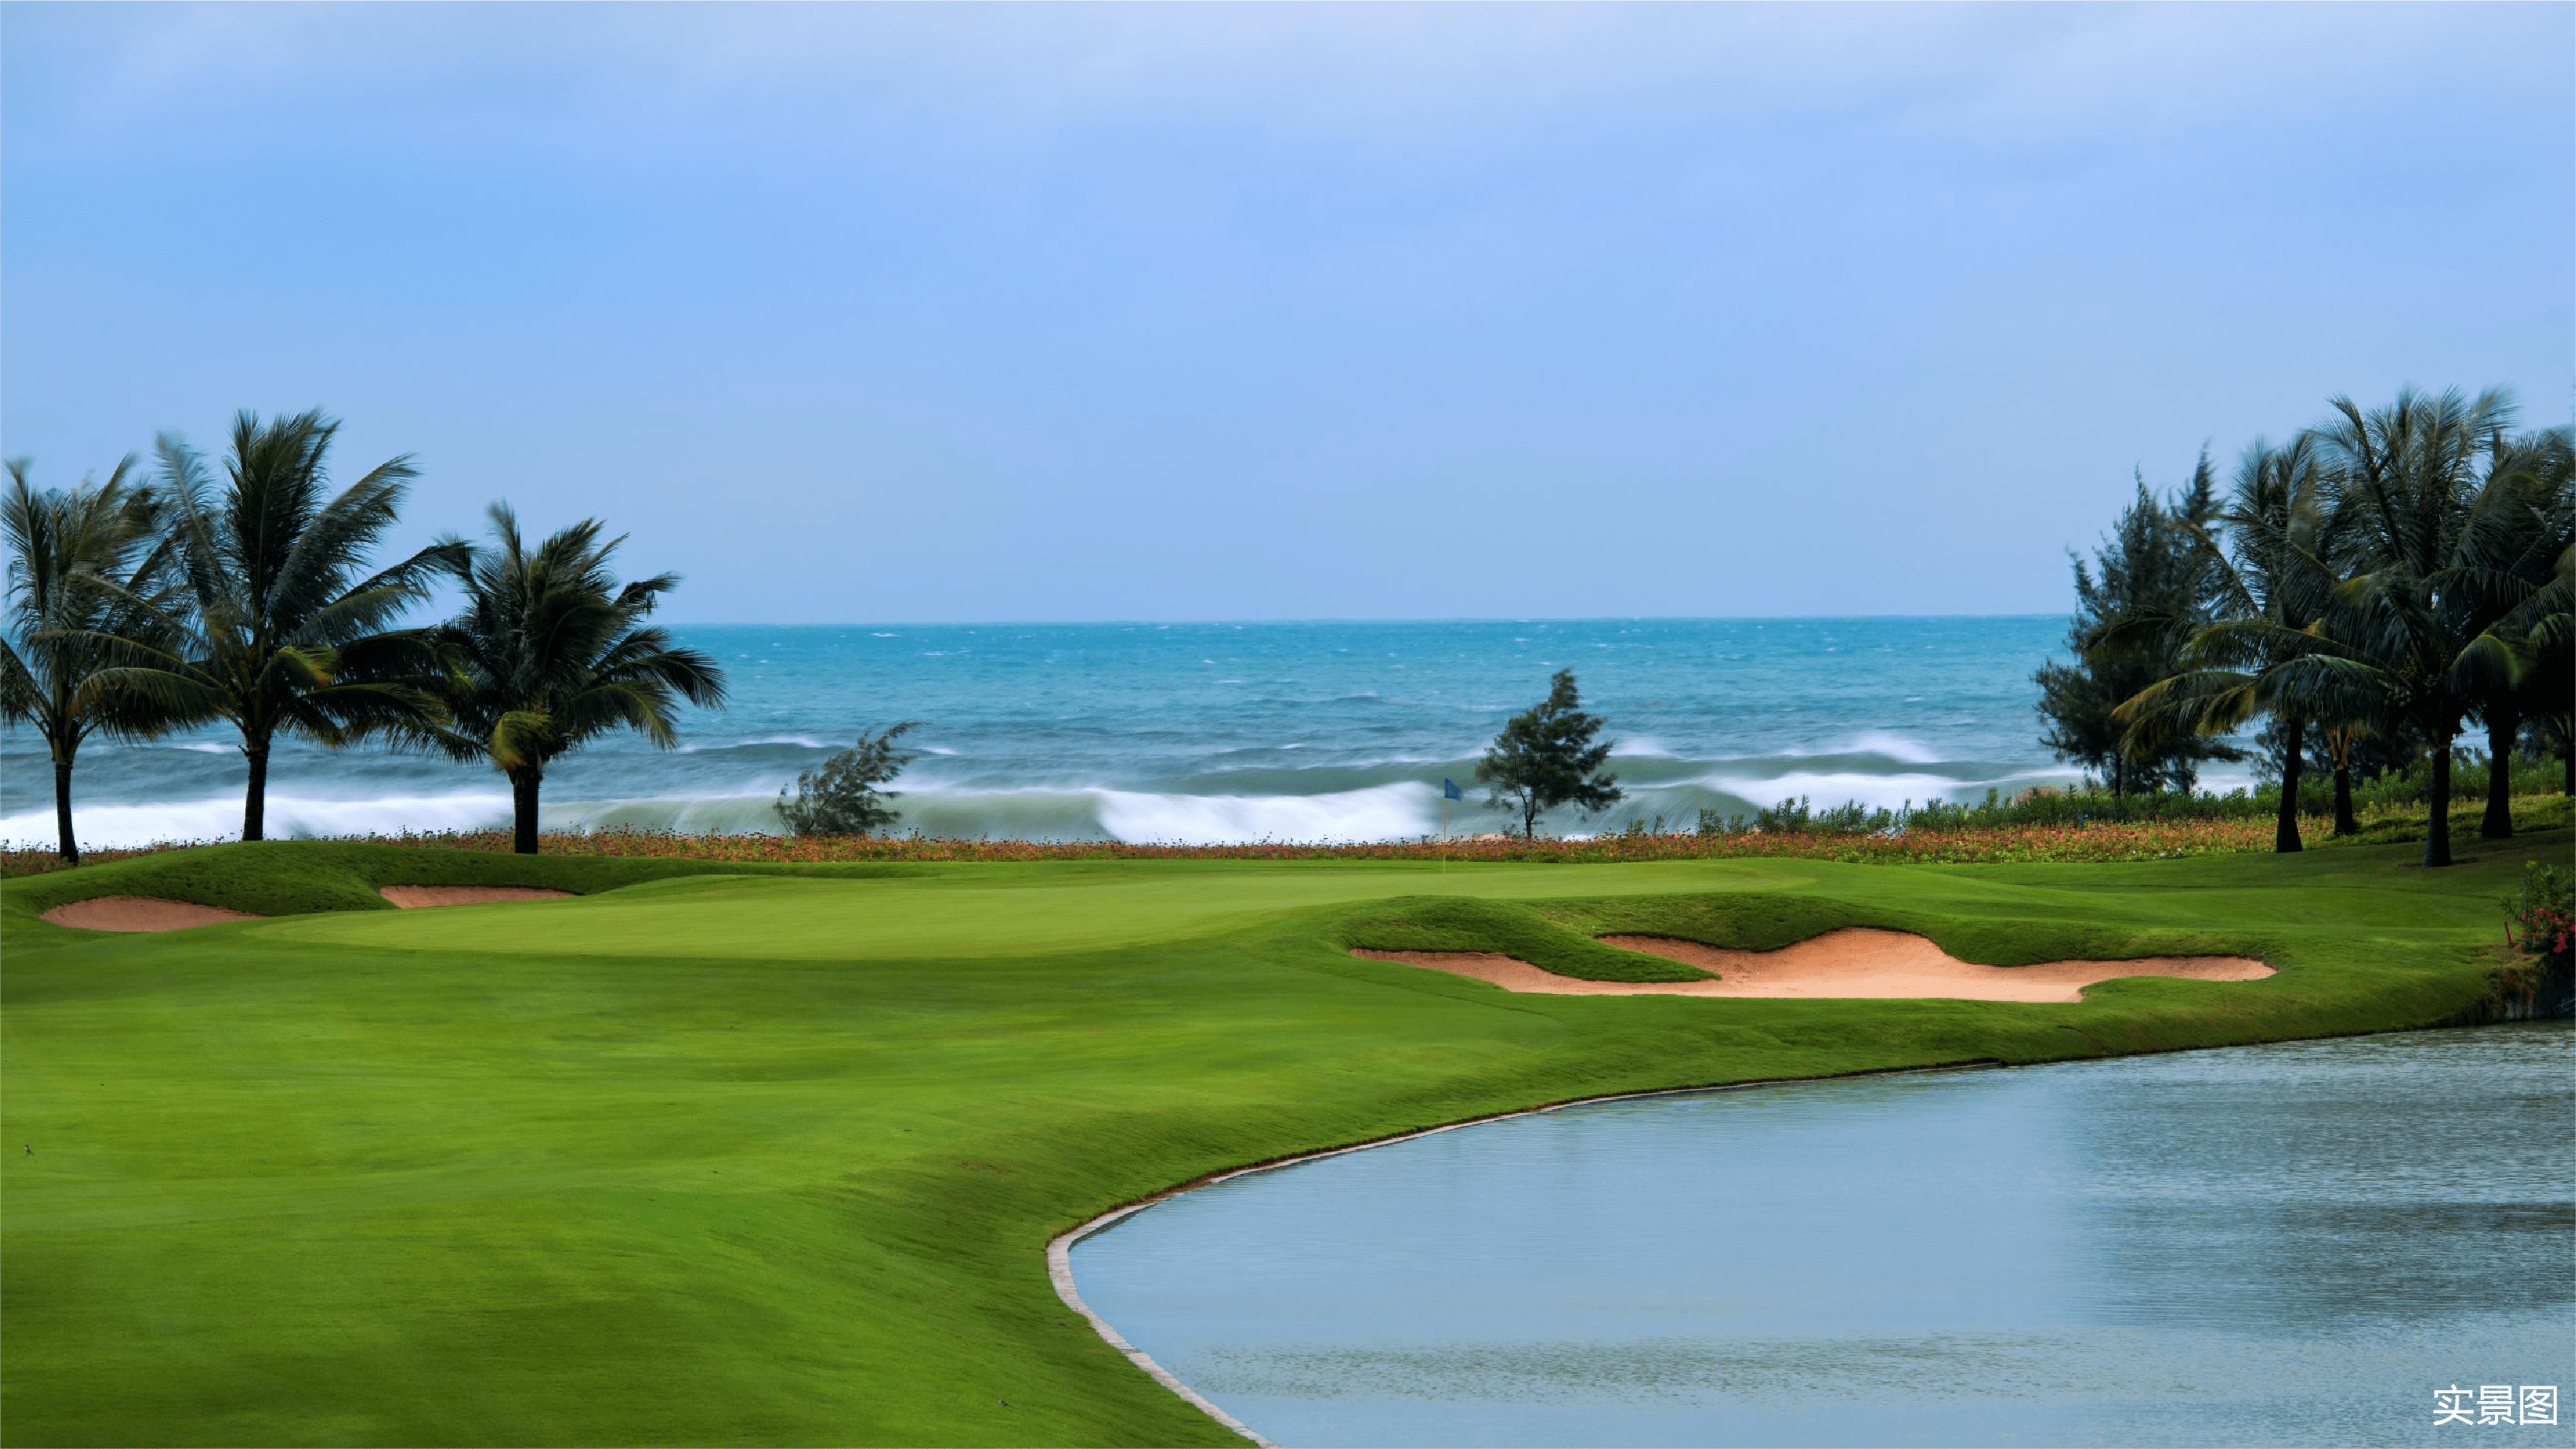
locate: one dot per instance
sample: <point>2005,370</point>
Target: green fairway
<point>983,911</point>
<point>771,1155</point>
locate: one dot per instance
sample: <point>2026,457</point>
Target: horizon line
<point>1336,619</point>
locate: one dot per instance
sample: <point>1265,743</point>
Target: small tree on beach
<point>842,797</point>
<point>552,651</point>
<point>1545,757</point>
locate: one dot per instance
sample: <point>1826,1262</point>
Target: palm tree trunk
<point>2503,726</point>
<point>2344,823</point>
<point>255,803</point>
<point>2437,820</point>
<point>69,846</point>
<point>523,810</point>
<point>2285,835</point>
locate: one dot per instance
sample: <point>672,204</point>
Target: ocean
<point>1191,733</point>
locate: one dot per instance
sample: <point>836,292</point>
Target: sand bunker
<point>1852,963</point>
<point>140,913</point>
<point>410,896</point>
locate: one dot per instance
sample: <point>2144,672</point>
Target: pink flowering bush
<point>2541,920</point>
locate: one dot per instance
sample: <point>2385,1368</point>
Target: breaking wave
<point>113,827</point>
<point>1879,792</point>
<point>1386,812</point>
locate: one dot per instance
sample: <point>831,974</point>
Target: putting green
<point>974,911</point>
<point>655,1166</point>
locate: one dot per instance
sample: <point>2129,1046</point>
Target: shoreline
<point>2091,841</point>
<point>1059,1249</point>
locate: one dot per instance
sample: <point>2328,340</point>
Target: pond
<point>2302,1243</point>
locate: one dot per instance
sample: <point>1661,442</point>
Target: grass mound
<point>300,877</point>
<point>1769,921</point>
<point>1453,923</point>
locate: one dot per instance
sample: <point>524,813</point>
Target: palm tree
<point>2551,686</point>
<point>2436,530</point>
<point>2344,742</point>
<point>550,652</point>
<point>2525,582</point>
<point>2272,583</point>
<point>2454,547</point>
<point>281,630</point>
<point>79,557</point>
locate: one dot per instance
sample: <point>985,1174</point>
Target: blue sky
<point>984,312</point>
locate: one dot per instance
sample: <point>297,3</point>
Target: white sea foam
<point>1882,792</point>
<point>736,814</point>
<point>1879,792</point>
<point>808,741</point>
<point>204,747</point>
<point>1382,812</point>
<point>1888,743</point>
<point>1892,745</point>
<point>219,818</point>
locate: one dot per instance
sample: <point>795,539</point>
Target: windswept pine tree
<point>1545,757</point>
<point>844,797</point>
<point>2150,587</point>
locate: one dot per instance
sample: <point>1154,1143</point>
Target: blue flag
<point>1449,789</point>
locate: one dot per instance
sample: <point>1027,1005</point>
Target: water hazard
<point>2291,1244</point>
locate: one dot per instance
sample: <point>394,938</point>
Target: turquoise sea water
<point>1187,732</point>
<point>2294,1244</point>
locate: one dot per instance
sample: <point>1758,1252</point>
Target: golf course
<point>768,1154</point>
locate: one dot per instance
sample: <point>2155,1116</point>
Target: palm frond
<point>547,651</point>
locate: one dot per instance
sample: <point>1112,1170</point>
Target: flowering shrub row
<point>2096,842</point>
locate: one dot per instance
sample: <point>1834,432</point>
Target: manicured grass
<point>771,1155</point>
